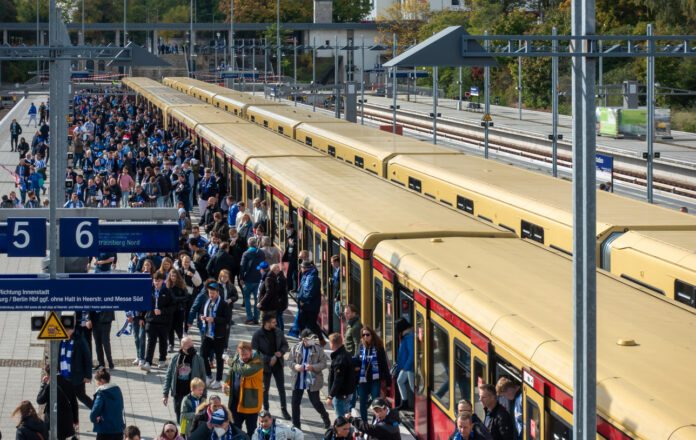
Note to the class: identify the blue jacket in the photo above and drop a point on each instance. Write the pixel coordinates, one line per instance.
(232, 215)
(251, 259)
(309, 292)
(108, 404)
(195, 311)
(405, 359)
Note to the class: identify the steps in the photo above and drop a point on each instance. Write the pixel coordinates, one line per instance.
(177, 67)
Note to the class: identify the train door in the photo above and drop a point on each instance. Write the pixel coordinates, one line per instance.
(314, 233)
(533, 406)
(345, 300)
(384, 313)
(335, 291)
(421, 379)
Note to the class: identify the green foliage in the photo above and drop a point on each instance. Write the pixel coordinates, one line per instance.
(8, 11)
(350, 11)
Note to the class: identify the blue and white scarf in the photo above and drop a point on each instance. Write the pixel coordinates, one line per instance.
(229, 435)
(212, 249)
(127, 328)
(363, 364)
(271, 433)
(302, 378)
(66, 349)
(205, 314)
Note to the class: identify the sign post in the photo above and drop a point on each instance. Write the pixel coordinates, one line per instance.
(605, 164)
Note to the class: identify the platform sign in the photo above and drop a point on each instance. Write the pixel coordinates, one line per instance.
(84, 237)
(98, 292)
(474, 91)
(79, 237)
(26, 237)
(53, 329)
(605, 168)
(227, 75)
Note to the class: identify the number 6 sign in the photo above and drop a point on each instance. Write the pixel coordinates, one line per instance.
(26, 237)
(79, 237)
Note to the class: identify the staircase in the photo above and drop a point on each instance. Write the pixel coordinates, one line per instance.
(177, 67)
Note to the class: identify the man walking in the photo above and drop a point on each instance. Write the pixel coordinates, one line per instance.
(76, 364)
(353, 329)
(250, 277)
(498, 420)
(246, 387)
(183, 368)
(32, 115)
(157, 321)
(100, 323)
(341, 377)
(270, 341)
(214, 319)
(15, 131)
(307, 360)
(309, 300)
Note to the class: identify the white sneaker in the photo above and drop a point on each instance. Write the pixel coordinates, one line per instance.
(162, 364)
(136, 362)
(208, 381)
(215, 385)
(141, 363)
(145, 367)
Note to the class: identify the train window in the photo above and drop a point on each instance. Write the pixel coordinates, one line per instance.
(479, 379)
(355, 282)
(420, 356)
(685, 293)
(557, 428)
(532, 231)
(388, 324)
(533, 422)
(439, 364)
(462, 372)
(359, 162)
(308, 140)
(309, 243)
(280, 129)
(465, 204)
(332, 151)
(318, 260)
(265, 123)
(250, 193)
(275, 219)
(406, 308)
(414, 184)
(344, 291)
(235, 112)
(237, 185)
(377, 312)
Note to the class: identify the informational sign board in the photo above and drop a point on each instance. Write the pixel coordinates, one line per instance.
(53, 329)
(26, 237)
(474, 91)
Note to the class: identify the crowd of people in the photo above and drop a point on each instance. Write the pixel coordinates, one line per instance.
(123, 157)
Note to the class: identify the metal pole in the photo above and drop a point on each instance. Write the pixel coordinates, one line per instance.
(294, 69)
(601, 76)
(83, 23)
(460, 88)
(125, 3)
(253, 66)
(519, 85)
(278, 41)
(337, 100)
(362, 81)
(265, 66)
(232, 37)
(584, 226)
(37, 38)
(554, 105)
(314, 74)
(435, 85)
(487, 99)
(394, 85)
(190, 38)
(650, 107)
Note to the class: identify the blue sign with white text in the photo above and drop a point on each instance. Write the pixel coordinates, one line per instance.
(134, 237)
(26, 237)
(474, 91)
(79, 237)
(65, 294)
(604, 163)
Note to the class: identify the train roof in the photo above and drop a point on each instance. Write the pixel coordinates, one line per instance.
(180, 83)
(140, 84)
(293, 116)
(193, 116)
(677, 247)
(243, 141)
(365, 208)
(520, 295)
(543, 195)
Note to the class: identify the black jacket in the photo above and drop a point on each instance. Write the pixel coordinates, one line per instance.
(102, 318)
(67, 407)
(81, 359)
(221, 260)
(387, 429)
(165, 304)
(273, 293)
(222, 318)
(207, 220)
(500, 424)
(260, 343)
(29, 427)
(341, 374)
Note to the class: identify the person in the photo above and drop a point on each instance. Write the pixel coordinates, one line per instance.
(32, 115)
(341, 378)
(307, 361)
(341, 429)
(335, 285)
(246, 386)
(309, 300)
(107, 412)
(498, 420)
(270, 429)
(185, 366)
(385, 425)
(215, 319)
(76, 364)
(273, 254)
(205, 410)
(478, 426)
(207, 219)
(273, 294)
(157, 321)
(102, 262)
(189, 404)
(465, 428)
(270, 341)
(220, 227)
(405, 363)
(132, 432)
(74, 202)
(177, 286)
(684, 209)
(353, 329)
(169, 432)
(510, 396)
(373, 368)
(249, 278)
(100, 323)
(290, 255)
(15, 131)
(207, 188)
(67, 404)
(217, 428)
(229, 294)
(29, 425)
(220, 261)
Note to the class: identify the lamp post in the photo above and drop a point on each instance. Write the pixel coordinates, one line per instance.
(125, 4)
(278, 41)
(216, 58)
(37, 37)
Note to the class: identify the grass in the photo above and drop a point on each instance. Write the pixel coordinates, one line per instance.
(684, 119)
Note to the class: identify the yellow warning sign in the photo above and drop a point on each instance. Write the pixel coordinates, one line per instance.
(487, 118)
(53, 329)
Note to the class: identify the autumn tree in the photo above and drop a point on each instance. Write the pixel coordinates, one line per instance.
(350, 11)
(404, 19)
(264, 11)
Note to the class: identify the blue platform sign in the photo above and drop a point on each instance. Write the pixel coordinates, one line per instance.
(134, 237)
(79, 237)
(604, 163)
(229, 75)
(474, 91)
(65, 294)
(26, 237)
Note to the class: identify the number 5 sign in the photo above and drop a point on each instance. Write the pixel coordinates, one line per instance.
(79, 237)
(26, 237)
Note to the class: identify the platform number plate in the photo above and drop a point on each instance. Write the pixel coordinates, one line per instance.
(79, 237)
(26, 237)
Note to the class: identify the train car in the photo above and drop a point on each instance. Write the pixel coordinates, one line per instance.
(483, 308)
(141, 86)
(186, 119)
(662, 261)
(362, 146)
(539, 208)
(341, 211)
(284, 119)
(182, 84)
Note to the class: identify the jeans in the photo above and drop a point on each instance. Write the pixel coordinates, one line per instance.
(77, 159)
(341, 406)
(365, 391)
(314, 399)
(277, 372)
(125, 195)
(102, 343)
(279, 318)
(216, 346)
(248, 292)
(406, 383)
(139, 337)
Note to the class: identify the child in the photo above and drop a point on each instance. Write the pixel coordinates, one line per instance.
(190, 403)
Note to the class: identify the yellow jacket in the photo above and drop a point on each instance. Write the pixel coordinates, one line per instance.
(251, 388)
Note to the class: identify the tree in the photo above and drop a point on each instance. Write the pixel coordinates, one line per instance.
(8, 11)
(264, 11)
(441, 20)
(350, 11)
(403, 19)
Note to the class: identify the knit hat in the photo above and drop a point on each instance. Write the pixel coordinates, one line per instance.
(181, 211)
(263, 265)
(306, 264)
(218, 417)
